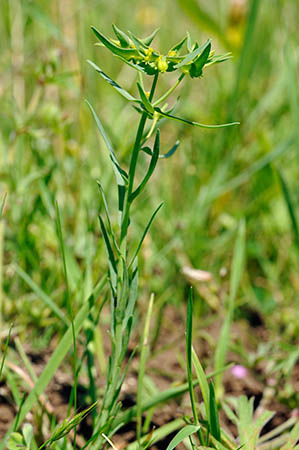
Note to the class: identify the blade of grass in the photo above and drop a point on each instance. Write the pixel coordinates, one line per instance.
(5, 350)
(58, 356)
(185, 432)
(143, 358)
(42, 295)
(235, 279)
(290, 207)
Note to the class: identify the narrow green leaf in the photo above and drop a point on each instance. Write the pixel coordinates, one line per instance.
(197, 66)
(151, 168)
(193, 55)
(143, 358)
(110, 255)
(145, 233)
(148, 40)
(213, 414)
(5, 350)
(2, 205)
(146, 103)
(171, 151)
(57, 357)
(293, 439)
(236, 273)
(202, 381)
(290, 207)
(112, 83)
(189, 353)
(120, 175)
(121, 36)
(42, 295)
(197, 124)
(177, 47)
(110, 229)
(185, 432)
(118, 51)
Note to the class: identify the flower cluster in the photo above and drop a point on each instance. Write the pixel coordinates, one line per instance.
(138, 53)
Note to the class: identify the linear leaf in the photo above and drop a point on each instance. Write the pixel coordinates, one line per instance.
(146, 103)
(112, 83)
(203, 383)
(151, 168)
(190, 122)
(42, 295)
(121, 36)
(188, 430)
(171, 151)
(110, 254)
(213, 413)
(57, 357)
(145, 233)
(2, 205)
(290, 206)
(189, 353)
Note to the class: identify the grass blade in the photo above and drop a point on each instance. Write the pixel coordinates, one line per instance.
(213, 414)
(203, 383)
(42, 295)
(143, 357)
(57, 356)
(290, 207)
(236, 273)
(5, 350)
(185, 432)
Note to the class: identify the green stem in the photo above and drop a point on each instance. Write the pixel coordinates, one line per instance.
(132, 170)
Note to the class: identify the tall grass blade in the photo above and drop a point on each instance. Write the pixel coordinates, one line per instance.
(189, 354)
(57, 356)
(203, 383)
(290, 207)
(213, 414)
(42, 295)
(143, 357)
(5, 350)
(2, 205)
(235, 279)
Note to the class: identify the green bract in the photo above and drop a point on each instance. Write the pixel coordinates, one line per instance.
(138, 53)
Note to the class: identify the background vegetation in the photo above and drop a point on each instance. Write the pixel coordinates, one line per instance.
(51, 152)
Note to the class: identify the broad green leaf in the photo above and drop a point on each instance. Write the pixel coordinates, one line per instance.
(112, 83)
(110, 229)
(151, 168)
(185, 432)
(197, 124)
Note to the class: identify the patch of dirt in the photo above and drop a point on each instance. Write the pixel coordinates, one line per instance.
(165, 368)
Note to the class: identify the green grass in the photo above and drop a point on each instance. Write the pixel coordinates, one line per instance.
(215, 182)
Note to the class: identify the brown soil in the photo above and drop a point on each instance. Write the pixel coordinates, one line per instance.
(165, 367)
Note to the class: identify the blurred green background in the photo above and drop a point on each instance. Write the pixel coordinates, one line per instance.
(51, 151)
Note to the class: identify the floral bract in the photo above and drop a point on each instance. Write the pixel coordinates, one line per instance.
(138, 53)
